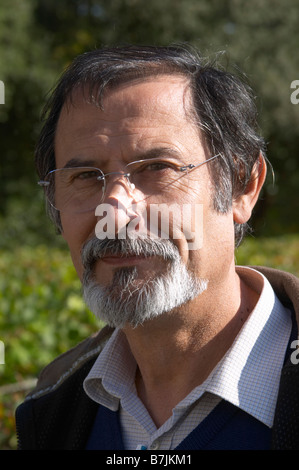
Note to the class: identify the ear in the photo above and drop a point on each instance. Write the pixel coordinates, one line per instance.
(244, 204)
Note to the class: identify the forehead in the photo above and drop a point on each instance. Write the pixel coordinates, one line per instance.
(138, 113)
(163, 93)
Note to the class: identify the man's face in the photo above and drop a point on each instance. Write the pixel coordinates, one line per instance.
(137, 118)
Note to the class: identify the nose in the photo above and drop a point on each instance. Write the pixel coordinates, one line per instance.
(118, 209)
(119, 175)
(118, 186)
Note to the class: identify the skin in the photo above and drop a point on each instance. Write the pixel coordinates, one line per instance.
(178, 350)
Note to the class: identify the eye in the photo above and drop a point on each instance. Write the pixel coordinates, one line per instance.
(158, 166)
(87, 174)
(84, 174)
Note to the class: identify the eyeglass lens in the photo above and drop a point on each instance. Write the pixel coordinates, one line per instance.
(82, 189)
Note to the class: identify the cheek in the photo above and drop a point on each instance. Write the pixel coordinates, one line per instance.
(190, 231)
(181, 222)
(218, 238)
(193, 229)
(212, 246)
(77, 229)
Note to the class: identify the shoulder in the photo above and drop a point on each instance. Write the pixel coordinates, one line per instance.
(285, 286)
(70, 362)
(58, 414)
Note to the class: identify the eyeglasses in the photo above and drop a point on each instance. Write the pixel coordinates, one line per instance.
(82, 189)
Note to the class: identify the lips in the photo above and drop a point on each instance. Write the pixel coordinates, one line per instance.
(126, 252)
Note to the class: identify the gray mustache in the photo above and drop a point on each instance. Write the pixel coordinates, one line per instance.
(95, 249)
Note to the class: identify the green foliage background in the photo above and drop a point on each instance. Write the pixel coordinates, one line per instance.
(43, 314)
(41, 310)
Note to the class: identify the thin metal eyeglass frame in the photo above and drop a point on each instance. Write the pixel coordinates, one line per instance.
(190, 167)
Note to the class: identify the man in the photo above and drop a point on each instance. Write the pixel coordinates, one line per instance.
(194, 347)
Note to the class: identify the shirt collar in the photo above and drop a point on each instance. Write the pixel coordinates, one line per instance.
(248, 376)
(113, 374)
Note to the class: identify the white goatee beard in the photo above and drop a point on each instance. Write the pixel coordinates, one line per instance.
(126, 301)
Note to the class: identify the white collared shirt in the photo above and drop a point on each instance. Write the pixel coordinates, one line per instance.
(247, 376)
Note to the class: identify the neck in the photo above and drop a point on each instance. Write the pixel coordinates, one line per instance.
(177, 351)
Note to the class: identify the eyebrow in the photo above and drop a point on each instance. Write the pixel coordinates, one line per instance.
(77, 162)
(151, 153)
(160, 152)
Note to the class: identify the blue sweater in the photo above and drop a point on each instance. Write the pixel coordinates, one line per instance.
(225, 428)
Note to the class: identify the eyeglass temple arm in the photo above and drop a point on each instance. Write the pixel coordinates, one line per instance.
(192, 167)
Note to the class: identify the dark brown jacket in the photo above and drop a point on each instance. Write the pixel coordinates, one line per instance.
(58, 414)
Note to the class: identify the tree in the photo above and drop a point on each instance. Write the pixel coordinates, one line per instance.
(38, 38)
